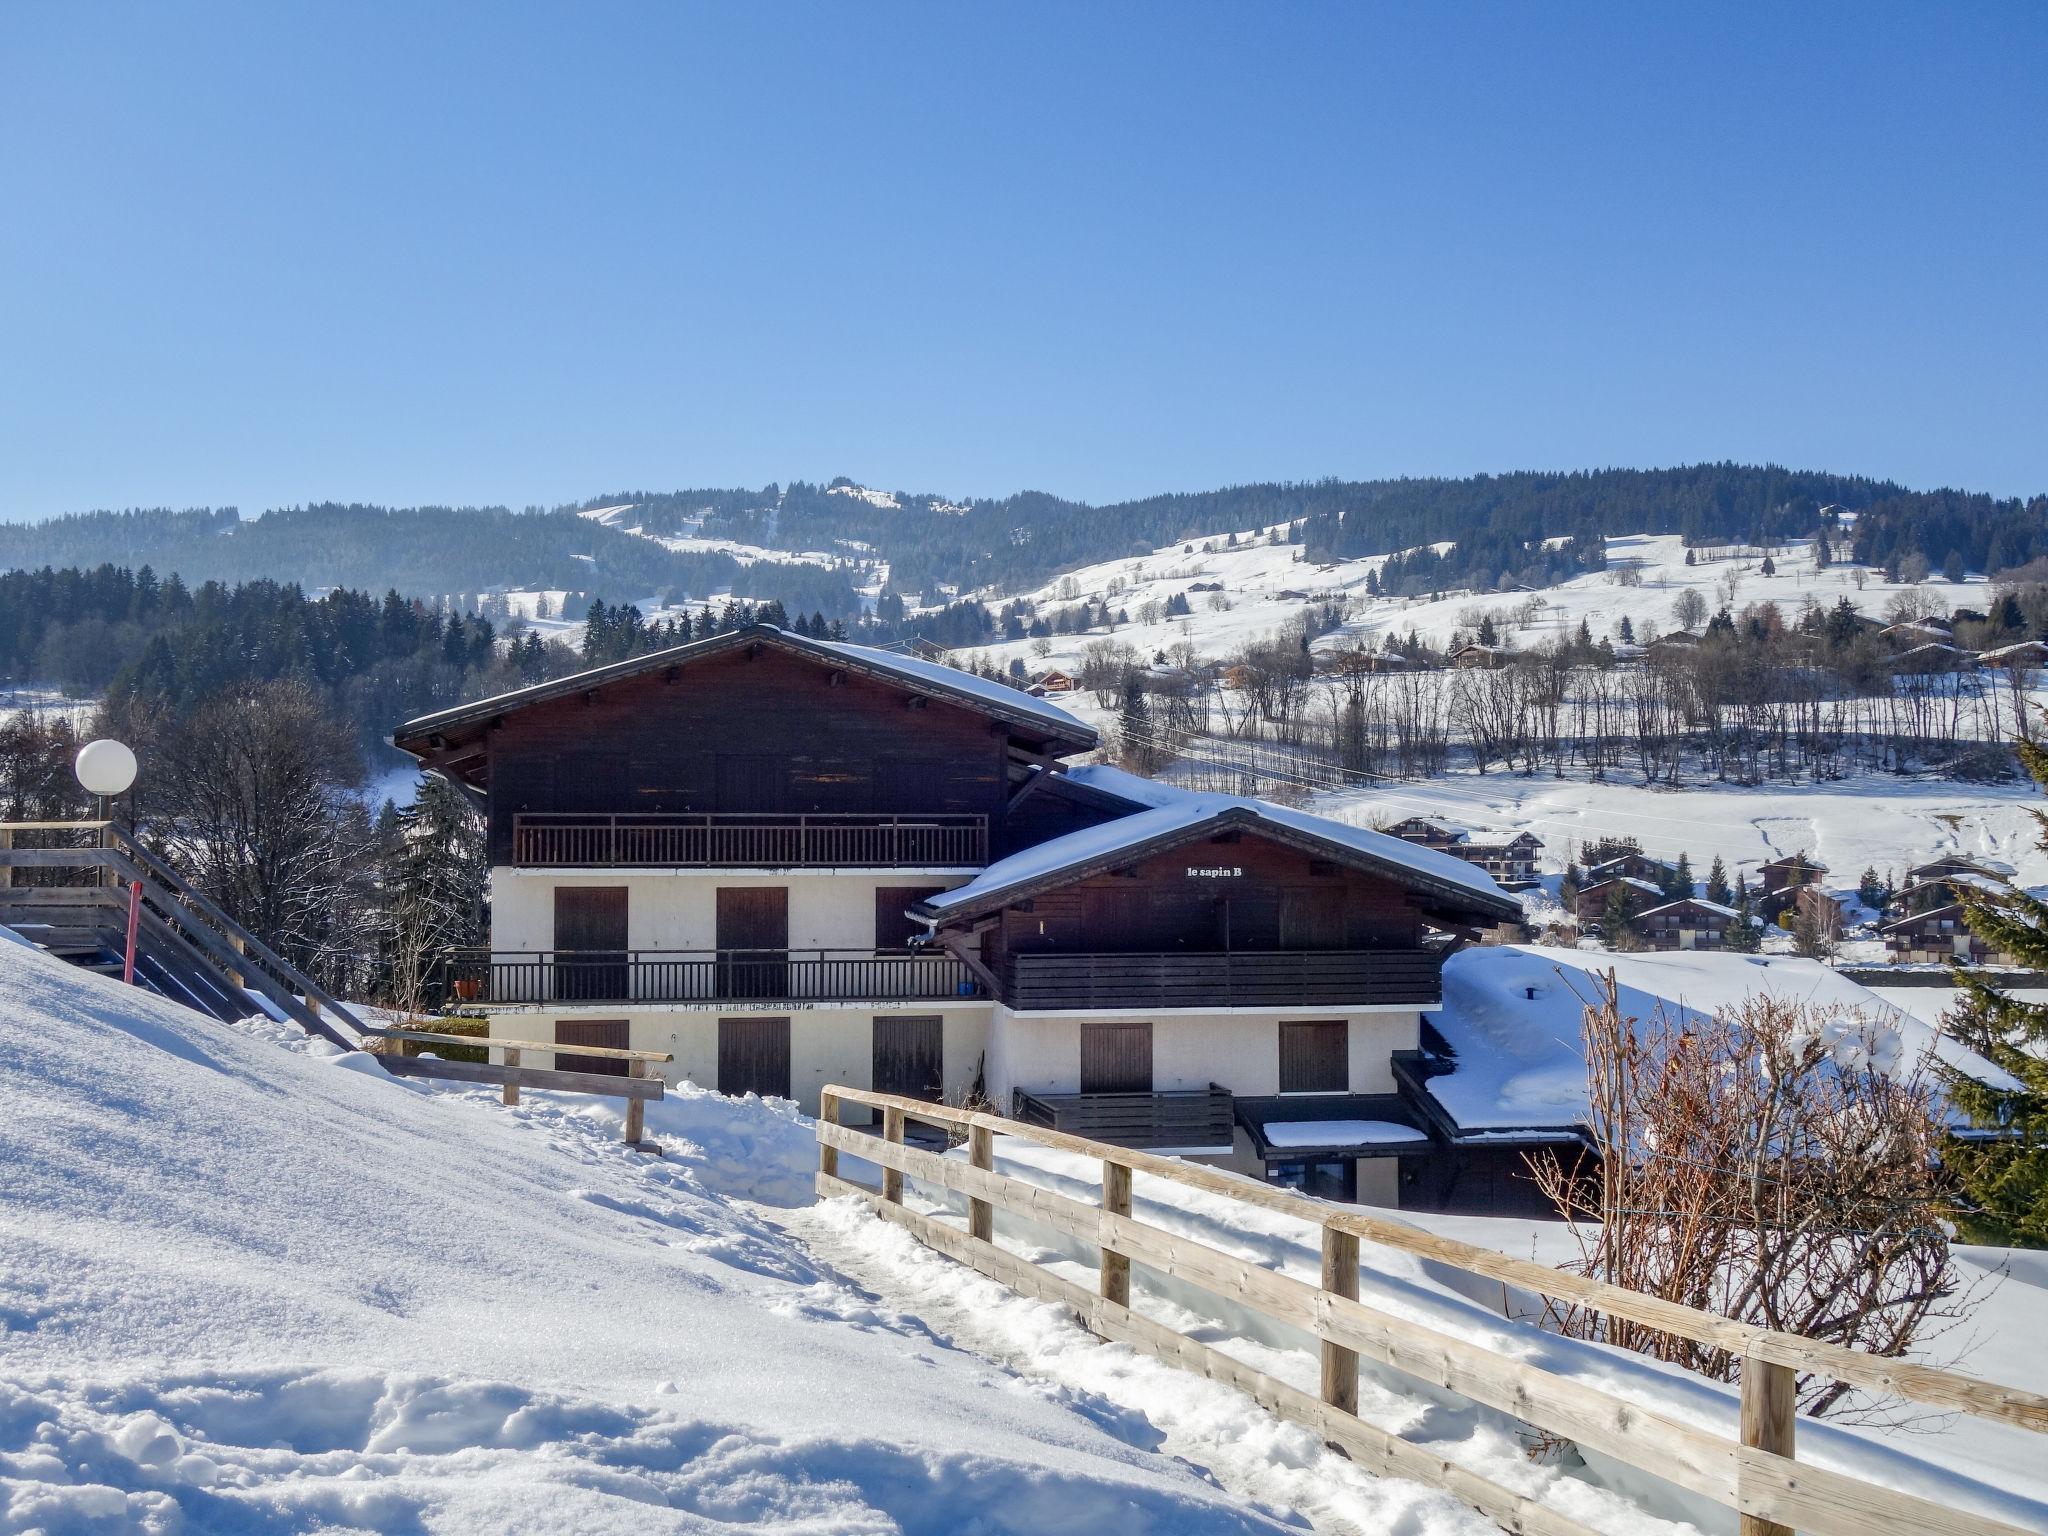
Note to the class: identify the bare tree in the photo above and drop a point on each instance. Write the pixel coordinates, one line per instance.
(1775, 1163)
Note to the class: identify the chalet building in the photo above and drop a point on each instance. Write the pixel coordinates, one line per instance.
(1511, 863)
(1818, 907)
(1939, 936)
(1782, 879)
(1678, 642)
(790, 862)
(1054, 681)
(2026, 656)
(1632, 865)
(1590, 905)
(1474, 654)
(1693, 923)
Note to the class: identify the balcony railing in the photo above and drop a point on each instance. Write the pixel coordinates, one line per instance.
(1202, 1117)
(701, 976)
(1238, 979)
(746, 840)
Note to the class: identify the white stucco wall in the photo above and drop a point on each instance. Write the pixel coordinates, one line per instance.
(826, 1045)
(827, 910)
(1041, 1053)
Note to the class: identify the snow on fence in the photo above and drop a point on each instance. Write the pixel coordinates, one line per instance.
(1758, 1476)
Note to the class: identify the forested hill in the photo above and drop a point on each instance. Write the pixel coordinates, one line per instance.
(417, 550)
(1527, 528)
(1498, 523)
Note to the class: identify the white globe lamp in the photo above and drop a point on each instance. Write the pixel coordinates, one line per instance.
(105, 768)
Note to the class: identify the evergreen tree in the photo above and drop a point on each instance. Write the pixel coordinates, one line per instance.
(435, 884)
(1627, 631)
(1743, 934)
(1134, 727)
(2005, 1179)
(1617, 921)
(1769, 567)
(1872, 891)
(1680, 885)
(1718, 890)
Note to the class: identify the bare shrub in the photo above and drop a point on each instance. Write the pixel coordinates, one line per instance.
(1776, 1164)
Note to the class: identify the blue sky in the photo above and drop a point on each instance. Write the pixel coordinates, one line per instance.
(263, 254)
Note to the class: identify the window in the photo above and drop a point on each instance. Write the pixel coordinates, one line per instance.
(1335, 1179)
(1315, 1057)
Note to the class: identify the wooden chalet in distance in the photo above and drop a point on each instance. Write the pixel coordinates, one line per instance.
(1693, 923)
(790, 862)
(1511, 862)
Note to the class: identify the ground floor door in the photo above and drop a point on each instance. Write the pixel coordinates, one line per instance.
(753, 1056)
(909, 1057)
(753, 941)
(612, 1034)
(1116, 1058)
(591, 962)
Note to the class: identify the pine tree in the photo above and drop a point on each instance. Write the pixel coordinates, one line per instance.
(434, 881)
(1769, 567)
(1743, 934)
(2005, 1180)
(1134, 727)
(1617, 922)
(1627, 631)
(1680, 886)
(1718, 890)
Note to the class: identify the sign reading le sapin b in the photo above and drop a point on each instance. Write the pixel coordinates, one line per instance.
(1214, 871)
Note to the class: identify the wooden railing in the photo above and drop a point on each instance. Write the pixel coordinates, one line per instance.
(1201, 1117)
(746, 840)
(1288, 978)
(636, 1086)
(686, 976)
(1756, 1474)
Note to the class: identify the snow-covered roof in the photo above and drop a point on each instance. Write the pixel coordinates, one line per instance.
(1990, 885)
(1340, 1133)
(1172, 813)
(1521, 1060)
(2026, 649)
(1599, 885)
(1694, 901)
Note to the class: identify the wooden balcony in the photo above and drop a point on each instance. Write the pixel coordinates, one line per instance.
(1203, 1117)
(746, 840)
(701, 976)
(1322, 978)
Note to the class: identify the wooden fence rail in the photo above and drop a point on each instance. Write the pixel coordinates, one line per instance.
(1757, 1475)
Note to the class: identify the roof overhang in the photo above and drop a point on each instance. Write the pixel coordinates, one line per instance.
(452, 742)
(1445, 899)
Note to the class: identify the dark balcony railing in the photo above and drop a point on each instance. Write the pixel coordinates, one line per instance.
(1293, 978)
(694, 976)
(1202, 1117)
(744, 840)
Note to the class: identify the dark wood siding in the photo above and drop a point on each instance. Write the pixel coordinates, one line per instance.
(893, 930)
(1116, 1058)
(754, 921)
(590, 942)
(611, 1034)
(753, 1056)
(645, 744)
(909, 1057)
(1272, 902)
(1315, 1056)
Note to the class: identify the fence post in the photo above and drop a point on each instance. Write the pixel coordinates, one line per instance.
(1340, 1278)
(828, 1114)
(1116, 1199)
(512, 1060)
(892, 1178)
(981, 1152)
(636, 1109)
(7, 842)
(1770, 1408)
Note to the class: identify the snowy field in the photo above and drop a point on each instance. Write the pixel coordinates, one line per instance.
(246, 1285)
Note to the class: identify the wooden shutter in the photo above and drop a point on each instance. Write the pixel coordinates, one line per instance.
(753, 941)
(909, 1057)
(1315, 1057)
(1116, 1058)
(612, 1034)
(590, 944)
(753, 1056)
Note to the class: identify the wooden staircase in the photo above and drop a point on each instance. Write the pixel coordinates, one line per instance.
(66, 886)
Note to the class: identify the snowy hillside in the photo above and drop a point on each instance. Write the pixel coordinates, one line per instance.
(1264, 585)
(247, 1288)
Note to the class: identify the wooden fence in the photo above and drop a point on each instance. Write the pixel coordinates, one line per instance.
(1758, 1475)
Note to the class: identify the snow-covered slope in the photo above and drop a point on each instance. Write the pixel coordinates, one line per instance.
(245, 1288)
(1263, 585)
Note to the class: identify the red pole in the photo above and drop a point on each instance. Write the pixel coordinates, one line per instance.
(134, 920)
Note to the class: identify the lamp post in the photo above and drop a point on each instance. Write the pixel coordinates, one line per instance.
(106, 769)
